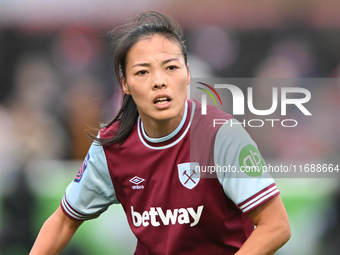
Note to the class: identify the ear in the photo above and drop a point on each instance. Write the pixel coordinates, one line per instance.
(125, 86)
(188, 73)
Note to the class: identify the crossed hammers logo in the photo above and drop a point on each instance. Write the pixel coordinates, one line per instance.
(189, 176)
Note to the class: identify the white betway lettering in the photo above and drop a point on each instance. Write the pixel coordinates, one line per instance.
(171, 216)
(194, 215)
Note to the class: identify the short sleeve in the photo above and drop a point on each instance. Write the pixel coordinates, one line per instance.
(244, 181)
(92, 191)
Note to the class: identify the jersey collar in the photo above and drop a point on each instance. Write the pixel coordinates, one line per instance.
(172, 139)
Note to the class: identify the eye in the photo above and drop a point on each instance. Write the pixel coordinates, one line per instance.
(142, 72)
(172, 68)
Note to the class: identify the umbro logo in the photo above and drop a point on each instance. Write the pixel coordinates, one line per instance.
(137, 180)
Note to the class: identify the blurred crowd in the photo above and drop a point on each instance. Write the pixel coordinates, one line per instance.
(57, 86)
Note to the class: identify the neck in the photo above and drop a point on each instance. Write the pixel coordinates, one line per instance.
(158, 130)
(161, 128)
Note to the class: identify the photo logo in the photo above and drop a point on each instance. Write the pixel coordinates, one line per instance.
(279, 98)
(204, 97)
(239, 99)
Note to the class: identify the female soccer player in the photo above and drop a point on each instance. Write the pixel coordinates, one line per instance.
(150, 160)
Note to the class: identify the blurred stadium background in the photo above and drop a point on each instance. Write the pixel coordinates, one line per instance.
(57, 83)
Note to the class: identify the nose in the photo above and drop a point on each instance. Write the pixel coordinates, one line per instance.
(159, 80)
(159, 85)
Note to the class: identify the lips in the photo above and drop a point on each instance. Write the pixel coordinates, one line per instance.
(162, 99)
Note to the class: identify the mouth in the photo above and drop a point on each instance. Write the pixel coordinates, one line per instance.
(162, 100)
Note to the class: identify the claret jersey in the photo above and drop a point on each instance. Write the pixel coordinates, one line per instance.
(177, 191)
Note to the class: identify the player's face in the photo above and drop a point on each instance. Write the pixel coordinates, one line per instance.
(157, 78)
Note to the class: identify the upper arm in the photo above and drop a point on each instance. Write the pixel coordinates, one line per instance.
(68, 222)
(92, 191)
(271, 213)
(272, 228)
(55, 234)
(234, 148)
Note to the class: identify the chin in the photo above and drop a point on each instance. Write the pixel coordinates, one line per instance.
(168, 114)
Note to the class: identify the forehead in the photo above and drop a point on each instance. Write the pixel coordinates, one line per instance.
(152, 48)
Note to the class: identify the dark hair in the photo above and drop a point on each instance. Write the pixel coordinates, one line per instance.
(123, 38)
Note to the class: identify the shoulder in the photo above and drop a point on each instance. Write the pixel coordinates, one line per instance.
(109, 131)
(210, 122)
(212, 112)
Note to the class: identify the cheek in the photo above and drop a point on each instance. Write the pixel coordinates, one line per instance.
(182, 92)
(138, 94)
(185, 82)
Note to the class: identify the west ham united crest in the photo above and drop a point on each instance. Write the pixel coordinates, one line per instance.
(189, 174)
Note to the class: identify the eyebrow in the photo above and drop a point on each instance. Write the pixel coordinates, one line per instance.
(163, 62)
